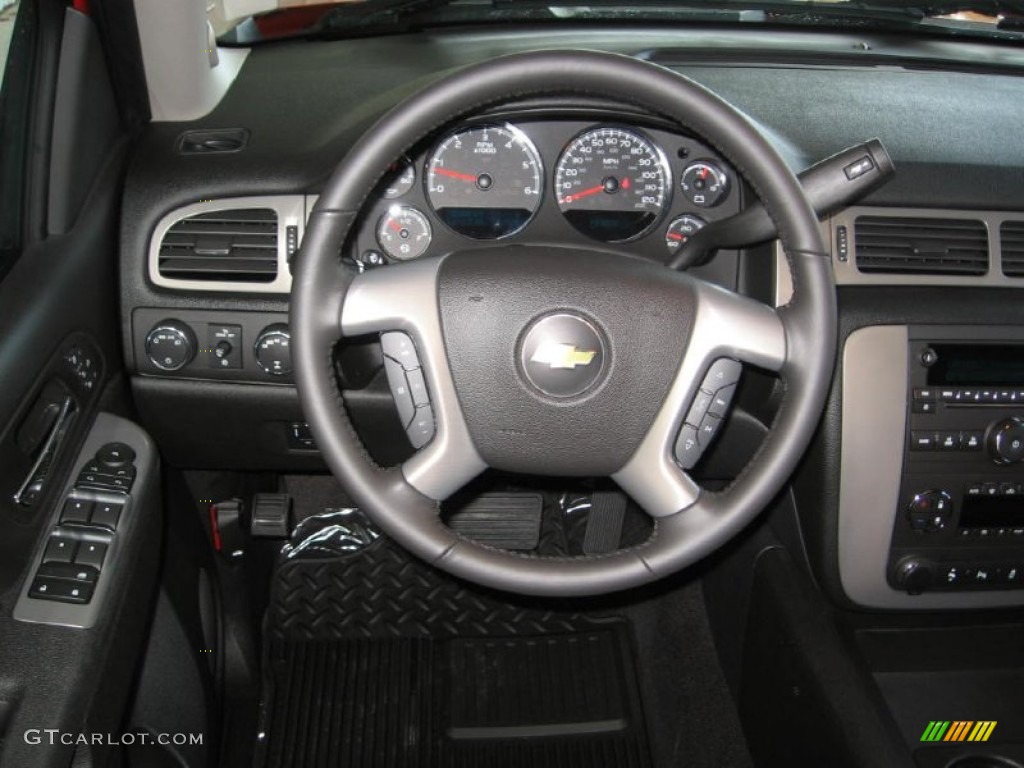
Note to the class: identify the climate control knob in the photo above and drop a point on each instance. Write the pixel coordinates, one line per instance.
(274, 350)
(914, 574)
(171, 345)
(1006, 441)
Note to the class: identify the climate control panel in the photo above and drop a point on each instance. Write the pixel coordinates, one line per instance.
(211, 344)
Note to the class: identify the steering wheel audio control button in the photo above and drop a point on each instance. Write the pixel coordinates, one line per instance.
(701, 403)
(721, 401)
(722, 373)
(688, 450)
(708, 429)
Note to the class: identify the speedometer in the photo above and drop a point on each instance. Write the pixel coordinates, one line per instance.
(485, 182)
(612, 184)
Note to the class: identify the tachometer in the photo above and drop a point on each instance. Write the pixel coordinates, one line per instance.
(612, 184)
(485, 182)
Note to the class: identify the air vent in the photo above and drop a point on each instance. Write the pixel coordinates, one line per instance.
(921, 246)
(1012, 235)
(230, 246)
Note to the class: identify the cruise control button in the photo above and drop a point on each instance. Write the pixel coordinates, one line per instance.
(400, 391)
(59, 550)
(91, 553)
(421, 431)
(399, 347)
(76, 511)
(44, 588)
(721, 401)
(687, 450)
(115, 455)
(708, 429)
(417, 387)
(107, 515)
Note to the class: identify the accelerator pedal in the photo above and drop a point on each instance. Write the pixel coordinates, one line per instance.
(604, 523)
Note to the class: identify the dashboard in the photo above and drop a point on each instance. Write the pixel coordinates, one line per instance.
(578, 172)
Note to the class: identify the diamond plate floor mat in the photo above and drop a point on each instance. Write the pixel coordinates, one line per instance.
(565, 700)
(376, 659)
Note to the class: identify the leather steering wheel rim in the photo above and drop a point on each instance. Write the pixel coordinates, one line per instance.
(322, 283)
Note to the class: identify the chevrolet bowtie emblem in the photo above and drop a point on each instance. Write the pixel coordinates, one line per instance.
(566, 356)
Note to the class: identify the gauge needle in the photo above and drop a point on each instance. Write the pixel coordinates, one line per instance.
(455, 174)
(675, 236)
(395, 225)
(584, 193)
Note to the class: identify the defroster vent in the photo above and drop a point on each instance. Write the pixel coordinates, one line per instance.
(231, 246)
(921, 246)
(1012, 236)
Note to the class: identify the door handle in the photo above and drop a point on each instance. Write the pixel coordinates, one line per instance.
(32, 487)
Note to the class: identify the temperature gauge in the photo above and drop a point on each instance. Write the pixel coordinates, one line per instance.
(681, 229)
(704, 184)
(403, 233)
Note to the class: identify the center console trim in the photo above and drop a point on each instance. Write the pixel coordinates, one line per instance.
(874, 417)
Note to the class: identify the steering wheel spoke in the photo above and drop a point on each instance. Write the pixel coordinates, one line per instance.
(728, 329)
(400, 303)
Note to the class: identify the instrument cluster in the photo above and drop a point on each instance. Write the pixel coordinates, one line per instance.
(564, 182)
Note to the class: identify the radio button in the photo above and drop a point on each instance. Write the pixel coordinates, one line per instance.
(924, 393)
(922, 441)
(1006, 396)
(949, 441)
(972, 440)
(948, 395)
(924, 406)
(966, 395)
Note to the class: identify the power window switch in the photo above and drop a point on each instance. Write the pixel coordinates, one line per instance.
(91, 553)
(60, 550)
(70, 571)
(61, 590)
(76, 511)
(107, 514)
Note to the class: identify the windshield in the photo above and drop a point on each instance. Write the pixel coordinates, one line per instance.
(244, 22)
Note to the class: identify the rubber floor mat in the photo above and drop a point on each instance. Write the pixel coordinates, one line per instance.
(527, 701)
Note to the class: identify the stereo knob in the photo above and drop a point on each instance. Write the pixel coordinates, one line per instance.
(914, 574)
(274, 350)
(1006, 441)
(171, 345)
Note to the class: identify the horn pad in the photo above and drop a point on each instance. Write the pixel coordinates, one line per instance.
(561, 357)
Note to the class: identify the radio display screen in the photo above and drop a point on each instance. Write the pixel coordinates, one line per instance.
(977, 365)
(992, 512)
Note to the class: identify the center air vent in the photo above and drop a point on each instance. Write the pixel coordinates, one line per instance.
(921, 246)
(1012, 235)
(227, 246)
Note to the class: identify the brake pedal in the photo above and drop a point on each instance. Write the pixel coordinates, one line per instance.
(502, 520)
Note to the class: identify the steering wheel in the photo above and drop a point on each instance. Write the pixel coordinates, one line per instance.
(471, 316)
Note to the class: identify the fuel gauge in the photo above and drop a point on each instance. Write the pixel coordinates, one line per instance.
(704, 184)
(404, 232)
